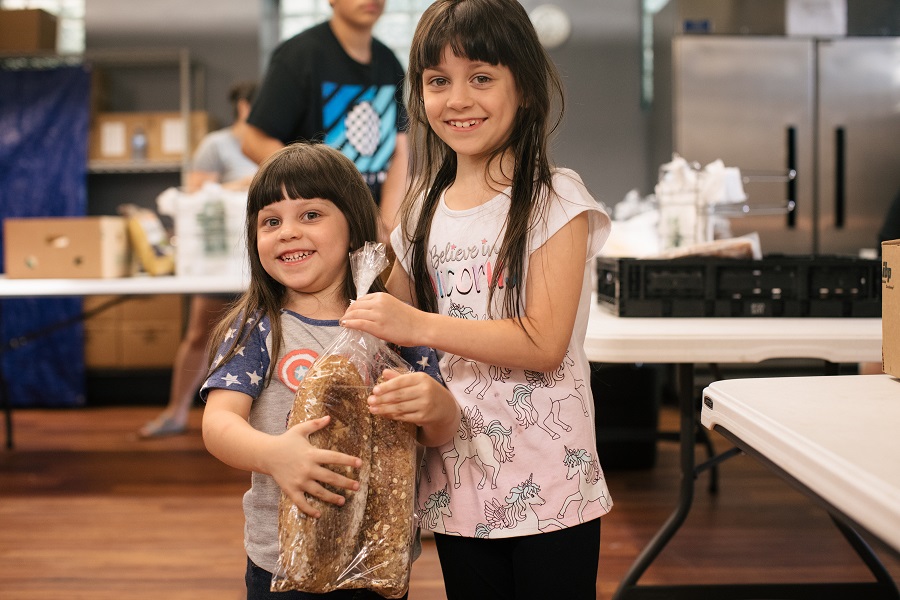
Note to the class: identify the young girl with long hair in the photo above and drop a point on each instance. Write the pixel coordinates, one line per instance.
(308, 207)
(494, 255)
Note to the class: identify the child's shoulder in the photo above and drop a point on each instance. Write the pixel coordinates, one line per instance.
(257, 321)
(570, 197)
(567, 180)
(569, 188)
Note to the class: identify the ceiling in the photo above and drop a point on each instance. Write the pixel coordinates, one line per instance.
(114, 17)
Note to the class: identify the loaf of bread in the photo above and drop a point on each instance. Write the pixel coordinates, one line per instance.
(387, 529)
(367, 543)
(317, 555)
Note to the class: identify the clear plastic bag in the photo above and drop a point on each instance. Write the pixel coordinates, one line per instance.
(367, 542)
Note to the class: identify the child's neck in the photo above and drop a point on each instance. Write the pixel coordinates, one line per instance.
(316, 306)
(477, 182)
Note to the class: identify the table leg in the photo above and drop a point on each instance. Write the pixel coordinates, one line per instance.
(34, 335)
(7, 410)
(685, 383)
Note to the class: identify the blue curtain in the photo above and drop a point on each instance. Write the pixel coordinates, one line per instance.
(44, 118)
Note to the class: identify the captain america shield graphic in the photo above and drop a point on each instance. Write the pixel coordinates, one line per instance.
(293, 367)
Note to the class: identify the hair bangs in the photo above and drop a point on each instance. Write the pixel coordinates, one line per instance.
(468, 35)
(297, 175)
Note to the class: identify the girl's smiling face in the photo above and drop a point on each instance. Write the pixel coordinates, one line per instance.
(303, 244)
(470, 105)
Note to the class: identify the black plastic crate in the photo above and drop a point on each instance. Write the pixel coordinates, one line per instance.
(774, 286)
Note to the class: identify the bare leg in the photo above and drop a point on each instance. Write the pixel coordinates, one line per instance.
(189, 369)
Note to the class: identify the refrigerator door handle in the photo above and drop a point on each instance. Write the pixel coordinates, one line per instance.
(840, 179)
(792, 181)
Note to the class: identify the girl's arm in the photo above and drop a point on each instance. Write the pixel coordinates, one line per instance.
(393, 188)
(297, 466)
(554, 282)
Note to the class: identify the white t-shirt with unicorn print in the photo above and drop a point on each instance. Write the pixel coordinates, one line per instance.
(524, 458)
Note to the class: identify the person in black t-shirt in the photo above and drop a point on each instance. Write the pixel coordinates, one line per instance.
(337, 84)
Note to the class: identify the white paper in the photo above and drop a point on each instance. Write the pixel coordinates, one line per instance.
(112, 139)
(172, 136)
(816, 17)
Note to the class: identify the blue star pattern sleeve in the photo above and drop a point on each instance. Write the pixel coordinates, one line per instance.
(422, 358)
(245, 372)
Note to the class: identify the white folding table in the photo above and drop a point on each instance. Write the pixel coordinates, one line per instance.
(122, 288)
(609, 339)
(833, 438)
(687, 341)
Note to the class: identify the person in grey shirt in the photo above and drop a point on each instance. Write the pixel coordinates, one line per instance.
(218, 159)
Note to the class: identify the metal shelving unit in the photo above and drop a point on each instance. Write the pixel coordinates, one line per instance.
(191, 83)
(191, 92)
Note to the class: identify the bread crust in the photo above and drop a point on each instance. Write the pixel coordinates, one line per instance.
(387, 528)
(367, 543)
(317, 553)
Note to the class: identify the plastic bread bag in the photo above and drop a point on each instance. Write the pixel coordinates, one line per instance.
(367, 542)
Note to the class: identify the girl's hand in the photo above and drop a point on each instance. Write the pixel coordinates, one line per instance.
(388, 318)
(417, 398)
(300, 468)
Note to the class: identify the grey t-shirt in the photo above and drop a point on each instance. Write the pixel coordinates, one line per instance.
(220, 152)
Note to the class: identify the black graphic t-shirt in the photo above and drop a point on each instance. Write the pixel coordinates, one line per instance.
(314, 90)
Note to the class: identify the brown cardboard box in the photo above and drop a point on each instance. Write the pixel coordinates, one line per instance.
(167, 134)
(65, 247)
(890, 308)
(30, 30)
(140, 333)
(112, 135)
(149, 344)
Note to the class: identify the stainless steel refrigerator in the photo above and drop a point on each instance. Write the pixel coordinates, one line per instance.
(826, 109)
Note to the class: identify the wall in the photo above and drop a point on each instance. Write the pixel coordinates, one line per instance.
(604, 129)
(602, 136)
(222, 37)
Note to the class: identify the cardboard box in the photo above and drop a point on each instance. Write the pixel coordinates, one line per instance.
(112, 135)
(890, 308)
(140, 333)
(149, 344)
(137, 308)
(30, 30)
(139, 345)
(65, 247)
(167, 141)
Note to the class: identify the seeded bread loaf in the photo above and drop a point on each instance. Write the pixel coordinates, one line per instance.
(388, 520)
(316, 554)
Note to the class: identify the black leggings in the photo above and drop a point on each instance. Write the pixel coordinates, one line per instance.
(557, 564)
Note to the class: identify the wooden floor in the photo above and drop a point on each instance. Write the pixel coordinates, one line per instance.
(89, 511)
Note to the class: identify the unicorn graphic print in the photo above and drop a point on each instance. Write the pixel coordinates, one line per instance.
(507, 472)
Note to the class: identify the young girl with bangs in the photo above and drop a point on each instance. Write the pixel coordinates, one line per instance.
(494, 250)
(308, 208)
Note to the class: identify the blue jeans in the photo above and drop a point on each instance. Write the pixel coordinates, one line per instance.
(258, 581)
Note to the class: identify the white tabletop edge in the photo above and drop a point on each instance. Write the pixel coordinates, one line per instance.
(140, 284)
(610, 338)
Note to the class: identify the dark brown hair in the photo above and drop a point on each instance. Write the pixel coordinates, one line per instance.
(497, 32)
(245, 90)
(301, 170)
